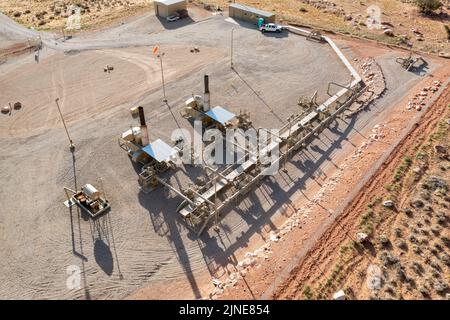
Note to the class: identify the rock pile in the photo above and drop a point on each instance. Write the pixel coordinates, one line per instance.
(373, 77)
(6, 109)
(326, 7)
(377, 135)
(251, 260)
(420, 100)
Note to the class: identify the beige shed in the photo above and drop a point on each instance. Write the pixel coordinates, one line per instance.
(166, 8)
(250, 14)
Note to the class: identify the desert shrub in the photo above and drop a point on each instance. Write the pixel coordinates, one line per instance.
(388, 259)
(307, 292)
(435, 265)
(435, 273)
(436, 229)
(424, 291)
(402, 245)
(413, 239)
(445, 258)
(428, 6)
(401, 274)
(440, 286)
(446, 241)
(390, 290)
(447, 30)
(416, 249)
(384, 240)
(417, 267)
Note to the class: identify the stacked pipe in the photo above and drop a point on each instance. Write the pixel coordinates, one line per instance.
(144, 130)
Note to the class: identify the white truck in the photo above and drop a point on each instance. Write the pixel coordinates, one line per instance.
(271, 27)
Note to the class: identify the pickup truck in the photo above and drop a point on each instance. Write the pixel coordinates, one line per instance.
(173, 18)
(271, 27)
(180, 14)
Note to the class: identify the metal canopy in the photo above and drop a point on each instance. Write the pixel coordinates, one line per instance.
(220, 115)
(169, 2)
(160, 151)
(252, 10)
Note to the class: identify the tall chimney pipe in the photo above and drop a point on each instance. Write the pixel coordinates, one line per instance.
(144, 131)
(206, 100)
(206, 83)
(141, 115)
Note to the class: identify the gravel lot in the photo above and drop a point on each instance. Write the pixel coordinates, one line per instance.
(142, 242)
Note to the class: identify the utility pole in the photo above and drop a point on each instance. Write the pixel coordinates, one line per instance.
(71, 145)
(216, 226)
(232, 47)
(160, 56)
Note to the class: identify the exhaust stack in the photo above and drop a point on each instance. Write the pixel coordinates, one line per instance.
(206, 99)
(144, 130)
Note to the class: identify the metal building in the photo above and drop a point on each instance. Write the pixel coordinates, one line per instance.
(166, 8)
(246, 13)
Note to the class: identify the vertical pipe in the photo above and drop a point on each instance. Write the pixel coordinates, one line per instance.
(141, 116)
(232, 48)
(144, 131)
(206, 102)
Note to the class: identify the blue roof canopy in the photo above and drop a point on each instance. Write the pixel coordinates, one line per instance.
(160, 151)
(220, 115)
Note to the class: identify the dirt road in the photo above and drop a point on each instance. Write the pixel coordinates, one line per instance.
(321, 256)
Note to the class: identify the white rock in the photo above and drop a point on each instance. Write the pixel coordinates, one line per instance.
(216, 282)
(274, 237)
(250, 255)
(246, 262)
(389, 32)
(417, 170)
(340, 295)
(218, 292)
(388, 203)
(361, 236)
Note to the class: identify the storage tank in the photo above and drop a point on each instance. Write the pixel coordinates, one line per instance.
(260, 22)
(90, 191)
